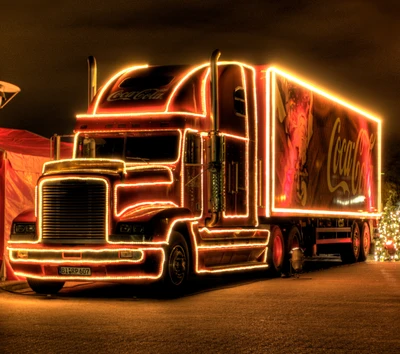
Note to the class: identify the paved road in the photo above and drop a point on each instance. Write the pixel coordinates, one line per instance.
(342, 309)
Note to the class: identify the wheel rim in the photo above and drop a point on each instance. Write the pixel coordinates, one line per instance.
(366, 243)
(356, 241)
(177, 265)
(277, 251)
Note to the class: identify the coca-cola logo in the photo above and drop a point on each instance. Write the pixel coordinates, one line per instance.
(349, 162)
(147, 94)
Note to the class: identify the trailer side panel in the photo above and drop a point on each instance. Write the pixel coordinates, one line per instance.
(324, 154)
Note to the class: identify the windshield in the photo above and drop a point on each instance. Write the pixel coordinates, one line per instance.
(153, 146)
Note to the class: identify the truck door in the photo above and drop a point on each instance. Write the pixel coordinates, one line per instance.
(235, 177)
(192, 172)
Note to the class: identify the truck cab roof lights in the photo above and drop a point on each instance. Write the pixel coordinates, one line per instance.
(111, 80)
(180, 83)
(175, 90)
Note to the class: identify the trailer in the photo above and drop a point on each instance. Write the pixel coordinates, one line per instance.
(180, 171)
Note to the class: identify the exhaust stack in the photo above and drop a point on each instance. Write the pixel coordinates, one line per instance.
(215, 141)
(92, 78)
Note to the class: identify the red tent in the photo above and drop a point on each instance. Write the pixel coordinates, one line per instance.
(22, 155)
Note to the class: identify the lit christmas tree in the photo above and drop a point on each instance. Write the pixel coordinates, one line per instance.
(387, 247)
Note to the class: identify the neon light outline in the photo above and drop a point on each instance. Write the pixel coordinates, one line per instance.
(133, 185)
(192, 222)
(246, 139)
(183, 169)
(255, 162)
(180, 83)
(268, 144)
(82, 160)
(69, 277)
(137, 114)
(59, 277)
(204, 90)
(174, 91)
(324, 93)
(149, 203)
(262, 264)
(76, 261)
(76, 138)
(112, 79)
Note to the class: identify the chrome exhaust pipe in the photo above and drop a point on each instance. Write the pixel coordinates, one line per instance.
(215, 140)
(92, 78)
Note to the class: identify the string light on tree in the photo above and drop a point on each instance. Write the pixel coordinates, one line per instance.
(387, 247)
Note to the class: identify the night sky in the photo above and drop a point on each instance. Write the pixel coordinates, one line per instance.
(350, 47)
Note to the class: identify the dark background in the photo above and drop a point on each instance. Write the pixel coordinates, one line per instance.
(350, 47)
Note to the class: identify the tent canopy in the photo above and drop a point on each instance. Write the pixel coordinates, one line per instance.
(22, 155)
(24, 142)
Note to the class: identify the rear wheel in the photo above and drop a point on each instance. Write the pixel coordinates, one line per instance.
(365, 242)
(45, 286)
(276, 251)
(293, 239)
(351, 252)
(176, 267)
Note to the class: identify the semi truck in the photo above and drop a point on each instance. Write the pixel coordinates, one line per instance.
(180, 171)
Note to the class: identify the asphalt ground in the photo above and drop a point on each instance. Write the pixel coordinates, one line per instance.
(329, 308)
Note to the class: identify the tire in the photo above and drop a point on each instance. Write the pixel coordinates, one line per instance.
(276, 251)
(351, 252)
(177, 265)
(365, 242)
(293, 240)
(45, 286)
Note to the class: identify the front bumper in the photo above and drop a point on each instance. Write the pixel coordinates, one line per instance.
(144, 262)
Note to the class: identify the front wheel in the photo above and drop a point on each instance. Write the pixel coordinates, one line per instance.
(45, 287)
(176, 266)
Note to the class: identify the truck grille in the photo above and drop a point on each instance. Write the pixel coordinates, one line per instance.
(74, 209)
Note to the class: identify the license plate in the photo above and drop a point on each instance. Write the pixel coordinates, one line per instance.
(74, 271)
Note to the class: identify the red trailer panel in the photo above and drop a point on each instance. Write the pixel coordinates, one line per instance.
(325, 153)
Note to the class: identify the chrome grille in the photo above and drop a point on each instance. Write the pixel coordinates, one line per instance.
(74, 209)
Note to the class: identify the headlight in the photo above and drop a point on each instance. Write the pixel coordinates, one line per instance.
(22, 254)
(130, 228)
(125, 228)
(24, 228)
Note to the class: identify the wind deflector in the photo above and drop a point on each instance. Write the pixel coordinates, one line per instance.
(146, 81)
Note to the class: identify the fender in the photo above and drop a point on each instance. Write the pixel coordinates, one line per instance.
(161, 220)
(26, 216)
